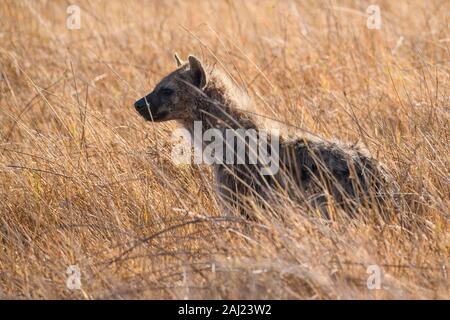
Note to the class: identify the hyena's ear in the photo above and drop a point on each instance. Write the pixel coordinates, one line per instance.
(197, 72)
(178, 60)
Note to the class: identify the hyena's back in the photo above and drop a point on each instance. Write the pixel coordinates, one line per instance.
(313, 172)
(346, 173)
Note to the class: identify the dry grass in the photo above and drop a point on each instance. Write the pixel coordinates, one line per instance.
(84, 181)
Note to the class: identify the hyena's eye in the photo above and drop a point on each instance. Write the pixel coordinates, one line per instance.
(166, 92)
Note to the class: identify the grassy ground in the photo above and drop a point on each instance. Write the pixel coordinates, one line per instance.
(85, 181)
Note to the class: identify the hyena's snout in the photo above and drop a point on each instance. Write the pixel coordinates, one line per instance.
(143, 107)
(141, 103)
(149, 108)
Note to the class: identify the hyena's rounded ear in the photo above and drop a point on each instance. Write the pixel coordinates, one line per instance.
(198, 73)
(178, 60)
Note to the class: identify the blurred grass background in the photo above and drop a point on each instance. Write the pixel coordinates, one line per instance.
(84, 181)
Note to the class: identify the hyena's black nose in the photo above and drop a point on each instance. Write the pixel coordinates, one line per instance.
(141, 103)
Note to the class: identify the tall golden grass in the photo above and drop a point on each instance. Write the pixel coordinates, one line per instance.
(85, 181)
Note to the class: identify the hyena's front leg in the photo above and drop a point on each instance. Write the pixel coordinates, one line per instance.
(231, 190)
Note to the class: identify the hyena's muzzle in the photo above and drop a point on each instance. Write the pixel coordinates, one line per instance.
(151, 108)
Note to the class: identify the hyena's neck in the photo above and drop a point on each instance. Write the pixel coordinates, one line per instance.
(222, 106)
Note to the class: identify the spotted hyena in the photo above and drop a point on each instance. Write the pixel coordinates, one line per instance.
(311, 171)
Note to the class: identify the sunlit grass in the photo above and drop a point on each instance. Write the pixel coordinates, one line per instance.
(85, 181)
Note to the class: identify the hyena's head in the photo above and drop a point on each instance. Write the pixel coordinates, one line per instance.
(175, 96)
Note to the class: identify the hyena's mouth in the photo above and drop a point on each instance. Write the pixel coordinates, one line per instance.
(159, 116)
